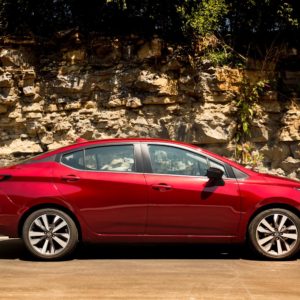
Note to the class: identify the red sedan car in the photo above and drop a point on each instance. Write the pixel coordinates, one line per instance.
(145, 190)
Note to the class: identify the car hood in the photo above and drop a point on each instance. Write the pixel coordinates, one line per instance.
(280, 180)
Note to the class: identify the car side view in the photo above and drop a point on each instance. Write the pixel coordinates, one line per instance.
(145, 190)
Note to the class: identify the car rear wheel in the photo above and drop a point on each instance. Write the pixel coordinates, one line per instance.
(50, 234)
(275, 234)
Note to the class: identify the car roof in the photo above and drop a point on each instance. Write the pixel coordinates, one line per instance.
(82, 143)
(117, 140)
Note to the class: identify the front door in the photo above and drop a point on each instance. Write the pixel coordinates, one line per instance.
(181, 200)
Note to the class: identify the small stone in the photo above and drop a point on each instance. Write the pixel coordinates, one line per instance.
(3, 109)
(150, 49)
(296, 150)
(275, 154)
(279, 172)
(33, 115)
(290, 164)
(51, 108)
(159, 100)
(29, 74)
(73, 106)
(205, 134)
(173, 108)
(259, 133)
(116, 102)
(290, 132)
(133, 102)
(74, 56)
(34, 107)
(20, 120)
(156, 83)
(53, 97)
(90, 105)
(6, 80)
(218, 97)
(29, 91)
(15, 114)
(47, 139)
(62, 126)
(61, 100)
(10, 58)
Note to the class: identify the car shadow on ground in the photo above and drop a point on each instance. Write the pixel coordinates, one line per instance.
(15, 249)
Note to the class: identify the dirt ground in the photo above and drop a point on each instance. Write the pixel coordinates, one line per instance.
(147, 272)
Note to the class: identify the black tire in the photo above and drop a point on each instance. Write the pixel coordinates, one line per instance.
(59, 241)
(279, 244)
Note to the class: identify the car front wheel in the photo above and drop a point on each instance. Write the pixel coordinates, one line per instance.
(50, 234)
(275, 234)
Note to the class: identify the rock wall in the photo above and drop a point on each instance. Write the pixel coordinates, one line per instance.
(53, 92)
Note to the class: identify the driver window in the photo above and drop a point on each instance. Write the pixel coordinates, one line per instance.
(110, 158)
(176, 161)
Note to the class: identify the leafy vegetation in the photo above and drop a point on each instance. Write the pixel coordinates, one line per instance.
(202, 17)
(234, 20)
(247, 154)
(249, 95)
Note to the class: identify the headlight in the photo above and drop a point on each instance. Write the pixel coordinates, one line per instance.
(298, 189)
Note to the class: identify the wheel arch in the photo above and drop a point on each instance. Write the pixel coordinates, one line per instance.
(49, 205)
(286, 206)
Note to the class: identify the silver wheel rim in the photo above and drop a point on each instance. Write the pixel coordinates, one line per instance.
(276, 234)
(49, 234)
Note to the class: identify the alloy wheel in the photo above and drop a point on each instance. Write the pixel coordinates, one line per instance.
(50, 234)
(277, 234)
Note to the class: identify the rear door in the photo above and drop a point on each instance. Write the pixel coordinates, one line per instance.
(106, 186)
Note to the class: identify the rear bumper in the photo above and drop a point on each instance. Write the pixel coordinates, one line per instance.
(8, 216)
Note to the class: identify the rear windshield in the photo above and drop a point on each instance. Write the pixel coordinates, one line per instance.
(37, 158)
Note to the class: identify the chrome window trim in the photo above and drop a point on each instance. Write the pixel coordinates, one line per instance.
(194, 176)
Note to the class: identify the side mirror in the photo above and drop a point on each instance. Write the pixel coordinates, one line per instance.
(214, 174)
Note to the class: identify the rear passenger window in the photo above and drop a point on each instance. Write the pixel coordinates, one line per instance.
(104, 158)
(74, 160)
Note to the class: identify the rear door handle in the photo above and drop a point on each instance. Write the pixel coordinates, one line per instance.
(162, 187)
(70, 178)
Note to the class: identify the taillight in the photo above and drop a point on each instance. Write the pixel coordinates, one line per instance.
(4, 177)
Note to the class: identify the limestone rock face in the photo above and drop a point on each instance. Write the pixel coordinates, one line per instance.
(291, 122)
(290, 164)
(296, 150)
(156, 83)
(21, 146)
(276, 154)
(150, 49)
(133, 87)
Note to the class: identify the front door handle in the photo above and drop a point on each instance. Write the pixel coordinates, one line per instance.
(162, 187)
(70, 178)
